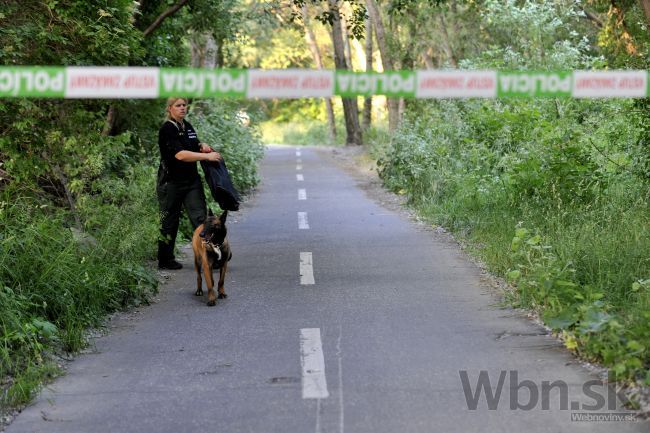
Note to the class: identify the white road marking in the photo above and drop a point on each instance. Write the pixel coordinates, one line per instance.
(302, 194)
(300, 177)
(303, 223)
(339, 355)
(314, 383)
(298, 153)
(306, 269)
(298, 167)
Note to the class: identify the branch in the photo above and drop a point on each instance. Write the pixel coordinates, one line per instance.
(593, 17)
(170, 11)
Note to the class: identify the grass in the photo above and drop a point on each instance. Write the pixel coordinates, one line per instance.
(55, 284)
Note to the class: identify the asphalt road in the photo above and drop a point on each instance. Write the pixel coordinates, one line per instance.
(342, 316)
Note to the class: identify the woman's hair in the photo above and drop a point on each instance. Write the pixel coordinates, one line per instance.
(170, 102)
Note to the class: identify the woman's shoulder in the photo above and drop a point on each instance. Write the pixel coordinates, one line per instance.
(167, 124)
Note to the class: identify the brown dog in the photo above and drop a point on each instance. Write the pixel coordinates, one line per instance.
(211, 250)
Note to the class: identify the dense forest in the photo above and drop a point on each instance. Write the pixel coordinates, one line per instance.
(552, 194)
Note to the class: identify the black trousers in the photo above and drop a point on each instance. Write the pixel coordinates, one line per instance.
(172, 196)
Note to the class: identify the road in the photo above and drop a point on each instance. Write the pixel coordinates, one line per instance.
(342, 316)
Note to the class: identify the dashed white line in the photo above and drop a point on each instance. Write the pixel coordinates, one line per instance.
(306, 269)
(298, 153)
(302, 194)
(300, 177)
(339, 355)
(299, 167)
(303, 223)
(314, 383)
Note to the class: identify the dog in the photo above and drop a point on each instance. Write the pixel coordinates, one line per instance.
(211, 251)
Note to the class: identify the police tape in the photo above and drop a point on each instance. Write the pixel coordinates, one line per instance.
(149, 83)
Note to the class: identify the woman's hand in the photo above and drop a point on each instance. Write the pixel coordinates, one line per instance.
(204, 148)
(214, 156)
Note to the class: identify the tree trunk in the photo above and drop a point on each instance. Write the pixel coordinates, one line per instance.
(315, 52)
(346, 43)
(197, 53)
(211, 52)
(628, 41)
(447, 43)
(60, 176)
(350, 107)
(645, 5)
(109, 124)
(367, 102)
(427, 57)
(459, 52)
(386, 60)
(203, 50)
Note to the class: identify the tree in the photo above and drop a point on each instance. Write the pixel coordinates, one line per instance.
(350, 108)
(367, 102)
(313, 47)
(645, 6)
(386, 59)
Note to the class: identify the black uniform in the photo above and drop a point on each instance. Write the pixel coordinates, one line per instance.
(178, 184)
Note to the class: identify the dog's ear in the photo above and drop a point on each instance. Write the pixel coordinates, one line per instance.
(223, 217)
(210, 212)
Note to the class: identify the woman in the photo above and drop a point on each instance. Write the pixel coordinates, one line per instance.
(179, 183)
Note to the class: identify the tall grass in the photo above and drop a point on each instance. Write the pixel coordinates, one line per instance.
(56, 282)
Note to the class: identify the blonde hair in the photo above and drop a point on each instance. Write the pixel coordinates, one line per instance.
(170, 102)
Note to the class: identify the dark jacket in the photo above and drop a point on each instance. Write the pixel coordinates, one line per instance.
(221, 188)
(174, 137)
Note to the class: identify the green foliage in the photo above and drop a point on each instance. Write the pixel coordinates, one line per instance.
(589, 322)
(304, 132)
(534, 34)
(283, 53)
(57, 281)
(567, 168)
(219, 124)
(78, 213)
(67, 32)
(571, 175)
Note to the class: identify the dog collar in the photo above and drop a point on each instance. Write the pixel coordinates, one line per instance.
(215, 248)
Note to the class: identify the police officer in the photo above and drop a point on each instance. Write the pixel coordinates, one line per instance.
(179, 183)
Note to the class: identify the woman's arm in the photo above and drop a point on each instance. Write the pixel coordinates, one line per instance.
(188, 156)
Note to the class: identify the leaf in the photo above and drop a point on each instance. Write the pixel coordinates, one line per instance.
(561, 321)
(635, 346)
(45, 328)
(534, 240)
(516, 243)
(521, 232)
(513, 275)
(570, 342)
(594, 321)
(619, 369)
(563, 283)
